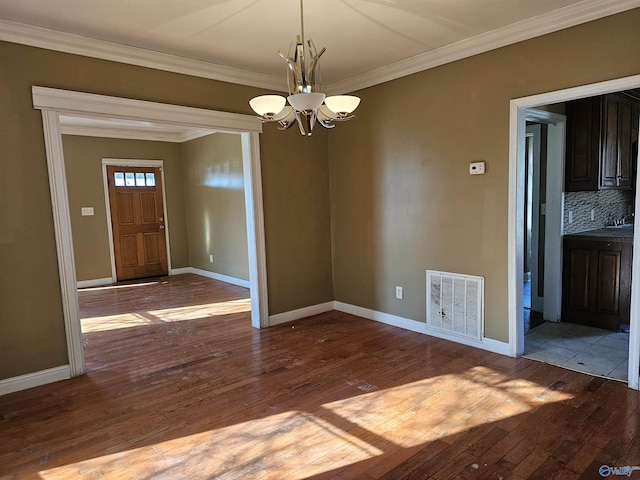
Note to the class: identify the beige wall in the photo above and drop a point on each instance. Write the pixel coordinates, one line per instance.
(214, 204)
(83, 163)
(32, 332)
(401, 195)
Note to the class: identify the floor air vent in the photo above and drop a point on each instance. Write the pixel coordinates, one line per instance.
(455, 304)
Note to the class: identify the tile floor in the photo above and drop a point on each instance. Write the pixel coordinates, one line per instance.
(577, 347)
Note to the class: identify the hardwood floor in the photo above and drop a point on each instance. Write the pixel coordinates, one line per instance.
(185, 388)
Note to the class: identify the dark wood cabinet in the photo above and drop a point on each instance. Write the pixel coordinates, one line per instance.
(602, 142)
(596, 288)
(620, 122)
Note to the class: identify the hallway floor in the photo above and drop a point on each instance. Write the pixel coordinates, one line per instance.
(580, 348)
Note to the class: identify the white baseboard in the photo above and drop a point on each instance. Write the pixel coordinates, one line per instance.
(216, 276)
(180, 271)
(35, 379)
(488, 344)
(496, 346)
(96, 282)
(381, 317)
(300, 313)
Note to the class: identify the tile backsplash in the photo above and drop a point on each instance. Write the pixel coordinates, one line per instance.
(608, 205)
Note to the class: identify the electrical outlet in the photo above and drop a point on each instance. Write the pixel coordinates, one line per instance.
(399, 293)
(570, 216)
(210, 258)
(593, 214)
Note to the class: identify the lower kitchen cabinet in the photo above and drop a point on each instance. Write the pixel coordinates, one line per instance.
(596, 287)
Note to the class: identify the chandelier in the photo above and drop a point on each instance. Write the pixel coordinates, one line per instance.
(306, 104)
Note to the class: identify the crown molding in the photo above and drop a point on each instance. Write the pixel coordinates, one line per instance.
(566, 17)
(132, 133)
(553, 21)
(46, 38)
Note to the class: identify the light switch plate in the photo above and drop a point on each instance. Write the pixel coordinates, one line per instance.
(476, 168)
(87, 211)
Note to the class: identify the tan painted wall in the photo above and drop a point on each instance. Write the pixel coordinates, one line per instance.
(83, 163)
(402, 198)
(214, 204)
(32, 332)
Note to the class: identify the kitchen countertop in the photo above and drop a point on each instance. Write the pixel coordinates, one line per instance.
(618, 234)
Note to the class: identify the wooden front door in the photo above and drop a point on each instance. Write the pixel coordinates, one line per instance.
(137, 219)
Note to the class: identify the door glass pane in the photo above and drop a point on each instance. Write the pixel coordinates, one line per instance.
(129, 179)
(118, 177)
(151, 179)
(139, 179)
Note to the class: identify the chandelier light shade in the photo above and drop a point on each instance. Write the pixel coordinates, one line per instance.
(267, 105)
(343, 105)
(306, 103)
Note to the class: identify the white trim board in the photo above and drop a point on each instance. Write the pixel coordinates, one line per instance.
(53, 103)
(555, 20)
(35, 379)
(213, 275)
(488, 344)
(96, 282)
(305, 312)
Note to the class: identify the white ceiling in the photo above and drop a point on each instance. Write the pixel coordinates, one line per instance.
(362, 36)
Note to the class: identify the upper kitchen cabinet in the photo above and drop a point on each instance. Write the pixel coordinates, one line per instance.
(602, 142)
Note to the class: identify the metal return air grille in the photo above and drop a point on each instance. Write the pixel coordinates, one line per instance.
(455, 304)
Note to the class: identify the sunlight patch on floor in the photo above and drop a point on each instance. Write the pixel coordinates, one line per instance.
(430, 412)
(300, 444)
(177, 314)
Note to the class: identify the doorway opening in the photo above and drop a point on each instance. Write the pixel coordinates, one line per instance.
(520, 110)
(54, 103)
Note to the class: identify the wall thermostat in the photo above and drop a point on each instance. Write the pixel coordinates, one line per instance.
(476, 168)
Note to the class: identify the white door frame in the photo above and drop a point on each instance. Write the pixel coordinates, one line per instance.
(53, 103)
(131, 162)
(517, 127)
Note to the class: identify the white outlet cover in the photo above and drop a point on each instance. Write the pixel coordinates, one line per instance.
(87, 211)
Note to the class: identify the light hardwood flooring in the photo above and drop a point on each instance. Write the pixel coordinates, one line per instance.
(185, 388)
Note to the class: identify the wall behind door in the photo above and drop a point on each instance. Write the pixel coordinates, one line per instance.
(83, 163)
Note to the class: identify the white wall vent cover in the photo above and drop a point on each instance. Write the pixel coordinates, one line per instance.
(455, 304)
